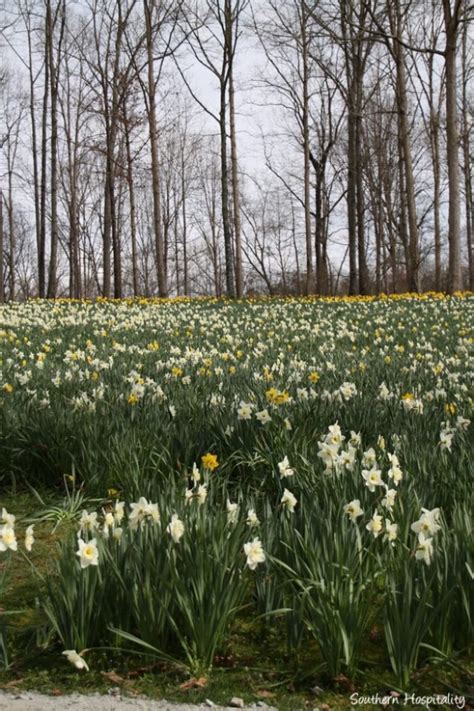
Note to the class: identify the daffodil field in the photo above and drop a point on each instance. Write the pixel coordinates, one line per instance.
(307, 463)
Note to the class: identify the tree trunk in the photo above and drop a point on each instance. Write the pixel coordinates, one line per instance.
(2, 272)
(155, 166)
(229, 260)
(436, 199)
(54, 79)
(452, 146)
(131, 197)
(469, 206)
(12, 241)
(34, 142)
(405, 142)
(306, 154)
(44, 156)
(185, 229)
(239, 278)
(351, 202)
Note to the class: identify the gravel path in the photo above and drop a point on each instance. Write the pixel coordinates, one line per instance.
(30, 701)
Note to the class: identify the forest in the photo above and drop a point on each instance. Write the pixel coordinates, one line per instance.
(235, 147)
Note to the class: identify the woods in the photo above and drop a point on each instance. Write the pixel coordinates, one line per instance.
(233, 147)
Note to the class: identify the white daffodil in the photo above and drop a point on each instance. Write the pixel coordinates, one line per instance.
(88, 553)
(263, 416)
(175, 528)
(195, 473)
(355, 439)
(289, 500)
(373, 478)
(252, 518)
(7, 538)
(7, 518)
(88, 522)
(201, 494)
(152, 511)
(109, 520)
(391, 530)
(369, 458)
(462, 423)
(244, 411)
(232, 511)
(375, 525)
(353, 509)
(389, 499)
(255, 553)
(424, 550)
(347, 458)
(29, 538)
(446, 439)
(138, 512)
(328, 453)
(334, 436)
(427, 524)
(395, 474)
(119, 511)
(284, 468)
(75, 659)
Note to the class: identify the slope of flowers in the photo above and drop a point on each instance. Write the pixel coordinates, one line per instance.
(312, 456)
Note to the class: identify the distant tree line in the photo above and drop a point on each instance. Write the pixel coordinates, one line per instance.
(121, 163)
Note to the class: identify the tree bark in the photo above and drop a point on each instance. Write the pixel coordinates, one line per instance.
(239, 278)
(155, 166)
(2, 271)
(306, 152)
(451, 21)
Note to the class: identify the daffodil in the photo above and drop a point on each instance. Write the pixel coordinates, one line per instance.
(7, 538)
(88, 553)
(263, 417)
(289, 500)
(427, 524)
(252, 518)
(232, 511)
(88, 522)
(375, 525)
(29, 538)
(353, 509)
(195, 473)
(7, 518)
(119, 511)
(389, 499)
(210, 461)
(391, 530)
(201, 494)
(255, 553)
(244, 411)
(75, 659)
(424, 549)
(373, 478)
(284, 468)
(175, 528)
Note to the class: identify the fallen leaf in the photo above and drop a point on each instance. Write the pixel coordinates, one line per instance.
(194, 683)
(11, 684)
(112, 677)
(344, 683)
(264, 694)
